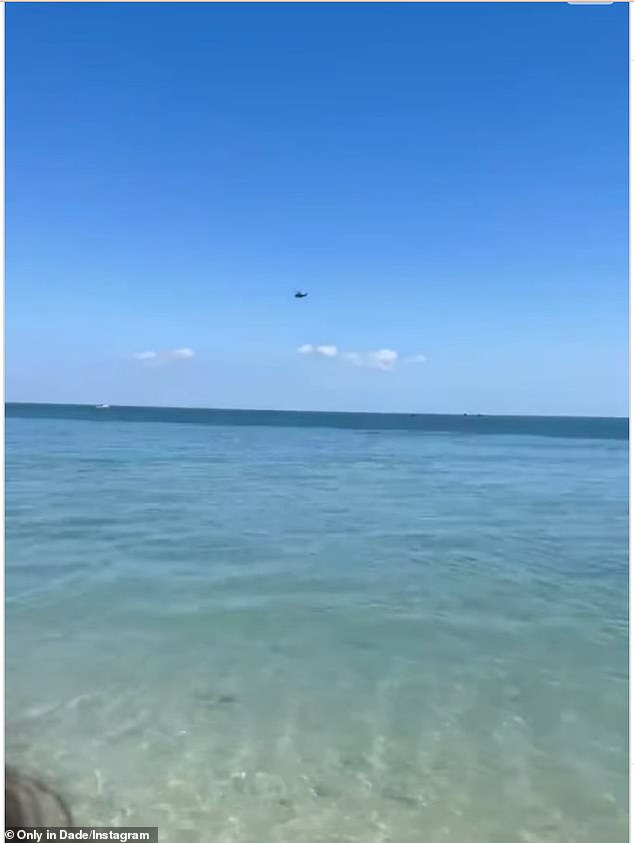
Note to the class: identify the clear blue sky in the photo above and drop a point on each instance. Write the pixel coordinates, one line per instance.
(447, 181)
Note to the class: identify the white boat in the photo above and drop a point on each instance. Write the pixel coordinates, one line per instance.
(102, 406)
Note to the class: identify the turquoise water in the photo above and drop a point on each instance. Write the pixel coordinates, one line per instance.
(271, 629)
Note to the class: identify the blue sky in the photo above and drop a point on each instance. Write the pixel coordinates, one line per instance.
(447, 181)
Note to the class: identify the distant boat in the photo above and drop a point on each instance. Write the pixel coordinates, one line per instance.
(102, 406)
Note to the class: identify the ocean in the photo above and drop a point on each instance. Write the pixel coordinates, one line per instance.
(249, 627)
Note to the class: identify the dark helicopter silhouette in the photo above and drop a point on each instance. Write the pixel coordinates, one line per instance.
(299, 295)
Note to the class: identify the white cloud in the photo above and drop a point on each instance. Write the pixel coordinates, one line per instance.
(384, 359)
(321, 350)
(327, 350)
(164, 356)
(182, 354)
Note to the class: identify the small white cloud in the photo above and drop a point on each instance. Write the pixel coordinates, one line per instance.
(321, 350)
(327, 350)
(162, 357)
(384, 359)
(182, 354)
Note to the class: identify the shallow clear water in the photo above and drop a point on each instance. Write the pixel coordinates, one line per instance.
(263, 633)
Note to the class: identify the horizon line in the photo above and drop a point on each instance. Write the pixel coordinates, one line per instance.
(315, 412)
